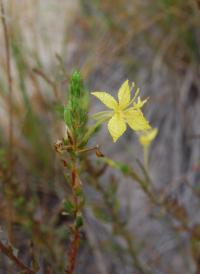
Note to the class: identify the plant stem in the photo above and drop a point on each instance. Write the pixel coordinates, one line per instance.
(9, 253)
(10, 88)
(10, 104)
(146, 158)
(75, 242)
(72, 255)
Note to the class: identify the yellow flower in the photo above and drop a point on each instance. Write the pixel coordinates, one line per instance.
(147, 137)
(121, 112)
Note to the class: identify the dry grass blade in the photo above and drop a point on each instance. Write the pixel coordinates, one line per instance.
(10, 88)
(10, 104)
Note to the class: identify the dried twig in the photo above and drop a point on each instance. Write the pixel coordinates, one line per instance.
(10, 105)
(9, 253)
(10, 88)
(47, 80)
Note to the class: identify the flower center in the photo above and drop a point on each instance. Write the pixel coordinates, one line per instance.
(118, 111)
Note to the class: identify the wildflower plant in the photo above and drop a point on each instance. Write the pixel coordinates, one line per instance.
(125, 111)
(43, 225)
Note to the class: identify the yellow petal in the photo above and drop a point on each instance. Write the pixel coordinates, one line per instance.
(124, 95)
(116, 126)
(106, 99)
(136, 120)
(147, 137)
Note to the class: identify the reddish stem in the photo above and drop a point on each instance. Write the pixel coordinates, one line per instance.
(9, 253)
(74, 245)
(72, 255)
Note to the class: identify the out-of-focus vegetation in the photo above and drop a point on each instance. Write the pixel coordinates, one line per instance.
(133, 221)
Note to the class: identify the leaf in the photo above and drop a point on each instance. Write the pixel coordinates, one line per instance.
(79, 221)
(67, 116)
(69, 207)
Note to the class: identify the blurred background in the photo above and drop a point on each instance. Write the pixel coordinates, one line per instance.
(156, 44)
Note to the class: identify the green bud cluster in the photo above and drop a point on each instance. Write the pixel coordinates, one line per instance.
(75, 112)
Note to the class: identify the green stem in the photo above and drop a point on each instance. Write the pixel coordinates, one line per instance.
(146, 158)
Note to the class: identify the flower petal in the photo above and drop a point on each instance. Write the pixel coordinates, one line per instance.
(136, 119)
(106, 99)
(124, 95)
(116, 126)
(147, 137)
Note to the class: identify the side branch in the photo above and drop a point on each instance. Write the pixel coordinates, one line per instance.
(9, 253)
